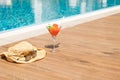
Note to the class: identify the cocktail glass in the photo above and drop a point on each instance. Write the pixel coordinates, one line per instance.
(54, 29)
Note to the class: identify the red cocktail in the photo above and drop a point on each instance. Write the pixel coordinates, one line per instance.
(54, 30)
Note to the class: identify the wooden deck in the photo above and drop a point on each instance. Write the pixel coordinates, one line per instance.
(89, 51)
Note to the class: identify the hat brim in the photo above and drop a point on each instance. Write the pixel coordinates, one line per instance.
(40, 54)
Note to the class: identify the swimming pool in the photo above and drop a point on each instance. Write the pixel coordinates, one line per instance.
(26, 16)
(19, 13)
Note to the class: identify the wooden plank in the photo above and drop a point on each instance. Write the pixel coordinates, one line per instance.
(89, 51)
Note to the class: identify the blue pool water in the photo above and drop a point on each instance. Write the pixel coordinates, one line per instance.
(20, 13)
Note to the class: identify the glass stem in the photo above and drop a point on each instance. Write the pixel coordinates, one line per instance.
(54, 43)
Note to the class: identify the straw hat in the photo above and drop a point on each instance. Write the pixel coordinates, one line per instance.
(24, 52)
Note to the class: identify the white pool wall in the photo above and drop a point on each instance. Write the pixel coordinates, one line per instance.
(32, 31)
